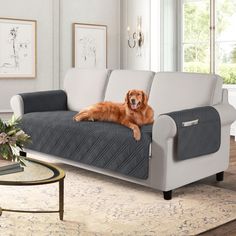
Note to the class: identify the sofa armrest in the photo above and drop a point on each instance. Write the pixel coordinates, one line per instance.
(164, 126)
(227, 113)
(52, 100)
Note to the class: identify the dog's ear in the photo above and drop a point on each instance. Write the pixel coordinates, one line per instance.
(144, 98)
(127, 97)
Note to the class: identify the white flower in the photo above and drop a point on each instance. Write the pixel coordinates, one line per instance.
(20, 133)
(22, 136)
(12, 140)
(3, 138)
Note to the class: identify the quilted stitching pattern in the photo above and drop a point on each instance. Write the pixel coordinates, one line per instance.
(101, 144)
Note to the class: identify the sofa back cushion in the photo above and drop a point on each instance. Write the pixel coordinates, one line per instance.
(85, 87)
(121, 81)
(172, 91)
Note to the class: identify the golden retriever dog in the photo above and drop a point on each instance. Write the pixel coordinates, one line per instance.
(133, 113)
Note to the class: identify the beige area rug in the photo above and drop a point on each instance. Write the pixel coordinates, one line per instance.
(99, 205)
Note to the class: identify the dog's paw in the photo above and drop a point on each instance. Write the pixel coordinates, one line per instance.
(137, 134)
(91, 119)
(76, 118)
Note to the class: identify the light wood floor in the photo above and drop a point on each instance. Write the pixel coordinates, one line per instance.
(229, 182)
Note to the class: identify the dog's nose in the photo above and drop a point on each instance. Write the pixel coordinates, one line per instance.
(133, 101)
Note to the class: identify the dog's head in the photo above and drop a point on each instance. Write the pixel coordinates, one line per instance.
(136, 99)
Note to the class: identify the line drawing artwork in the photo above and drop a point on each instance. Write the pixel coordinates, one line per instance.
(19, 50)
(89, 46)
(88, 51)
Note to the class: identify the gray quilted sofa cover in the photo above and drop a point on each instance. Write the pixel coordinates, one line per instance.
(102, 144)
(198, 132)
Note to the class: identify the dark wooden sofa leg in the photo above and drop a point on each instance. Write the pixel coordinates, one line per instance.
(220, 176)
(167, 195)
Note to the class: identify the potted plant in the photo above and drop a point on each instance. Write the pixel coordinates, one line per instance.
(12, 138)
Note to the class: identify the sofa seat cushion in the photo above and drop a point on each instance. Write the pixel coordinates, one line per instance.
(102, 144)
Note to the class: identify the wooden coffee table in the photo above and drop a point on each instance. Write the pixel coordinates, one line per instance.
(37, 173)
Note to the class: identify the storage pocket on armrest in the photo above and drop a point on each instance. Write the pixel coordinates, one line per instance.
(198, 131)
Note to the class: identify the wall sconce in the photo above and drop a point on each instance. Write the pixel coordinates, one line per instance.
(137, 37)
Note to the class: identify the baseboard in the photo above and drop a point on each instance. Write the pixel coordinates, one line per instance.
(6, 111)
(5, 115)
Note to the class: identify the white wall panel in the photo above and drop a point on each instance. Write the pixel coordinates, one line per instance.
(42, 11)
(104, 12)
(131, 9)
(54, 38)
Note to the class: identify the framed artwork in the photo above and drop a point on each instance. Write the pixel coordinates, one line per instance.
(17, 48)
(89, 46)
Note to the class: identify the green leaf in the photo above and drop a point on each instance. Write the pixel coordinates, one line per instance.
(2, 126)
(11, 132)
(16, 140)
(5, 151)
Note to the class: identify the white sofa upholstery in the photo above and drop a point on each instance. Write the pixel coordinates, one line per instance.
(85, 87)
(121, 81)
(169, 91)
(172, 91)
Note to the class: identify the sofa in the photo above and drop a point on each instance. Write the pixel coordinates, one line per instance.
(152, 161)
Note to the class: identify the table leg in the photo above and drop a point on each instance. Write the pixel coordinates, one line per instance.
(61, 198)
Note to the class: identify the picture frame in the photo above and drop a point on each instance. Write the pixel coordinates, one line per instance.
(89, 46)
(18, 48)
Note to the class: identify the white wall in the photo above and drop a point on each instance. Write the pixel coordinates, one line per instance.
(42, 11)
(156, 27)
(105, 12)
(160, 30)
(170, 35)
(54, 38)
(130, 10)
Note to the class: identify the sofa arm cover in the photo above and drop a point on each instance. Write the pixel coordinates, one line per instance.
(164, 126)
(198, 132)
(53, 100)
